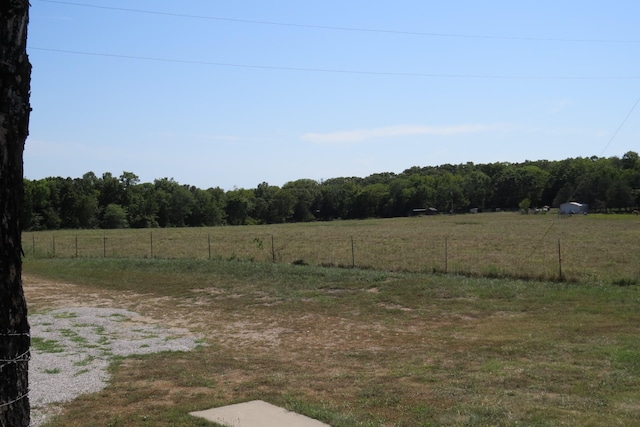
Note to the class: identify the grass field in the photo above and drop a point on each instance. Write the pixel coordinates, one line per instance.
(593, 248)
(375, 346)
(357, 347)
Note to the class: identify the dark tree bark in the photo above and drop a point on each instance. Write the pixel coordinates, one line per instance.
(15, 81)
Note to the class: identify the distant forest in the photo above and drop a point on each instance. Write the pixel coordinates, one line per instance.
(606, 184)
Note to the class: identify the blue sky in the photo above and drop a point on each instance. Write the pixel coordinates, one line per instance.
(232, 94)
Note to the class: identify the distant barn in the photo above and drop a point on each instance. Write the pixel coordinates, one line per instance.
(573, 208)
(424, 211)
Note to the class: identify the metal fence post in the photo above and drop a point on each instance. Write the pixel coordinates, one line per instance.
(353, 254)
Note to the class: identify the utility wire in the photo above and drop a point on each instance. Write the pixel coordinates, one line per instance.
(620, 127)
(577, 187)
(338, 28)
(338, 71)
(575, 190)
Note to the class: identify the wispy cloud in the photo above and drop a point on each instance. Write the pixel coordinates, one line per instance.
(361, 135)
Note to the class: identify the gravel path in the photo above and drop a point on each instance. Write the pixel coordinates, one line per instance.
(73, 347)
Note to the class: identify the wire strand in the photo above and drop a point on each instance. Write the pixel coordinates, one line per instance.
(335, 71)
(339, 28)
(24, 357)
(620, 127)
(17, 399)
(575, 190)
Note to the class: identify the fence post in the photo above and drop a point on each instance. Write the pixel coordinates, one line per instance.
(273, 250)
(104, 245)
(209, 244)
(353, 254)
(53, 246)
(76, 246)
(151, 243)
(560, 261)
(33, 244)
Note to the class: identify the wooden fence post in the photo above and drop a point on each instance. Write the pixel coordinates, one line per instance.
(560, 261)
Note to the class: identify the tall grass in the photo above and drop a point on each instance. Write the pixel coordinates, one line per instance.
(582, 248)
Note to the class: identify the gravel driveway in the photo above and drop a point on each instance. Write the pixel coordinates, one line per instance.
(73, 347)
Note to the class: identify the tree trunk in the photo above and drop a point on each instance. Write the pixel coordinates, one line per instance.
(15, 81)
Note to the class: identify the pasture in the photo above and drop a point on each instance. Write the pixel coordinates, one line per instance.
(374, 346)
(594, 248)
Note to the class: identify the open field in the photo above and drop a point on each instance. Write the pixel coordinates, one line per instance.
(356, 347)
(593, 248)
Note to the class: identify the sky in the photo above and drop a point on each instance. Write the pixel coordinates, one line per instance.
(231, 94)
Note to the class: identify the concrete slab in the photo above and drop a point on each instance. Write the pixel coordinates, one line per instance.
(257, 414)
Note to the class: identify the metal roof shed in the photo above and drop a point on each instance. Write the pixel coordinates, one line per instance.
(574, 208)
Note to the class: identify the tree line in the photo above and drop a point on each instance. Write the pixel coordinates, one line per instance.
(108, 201)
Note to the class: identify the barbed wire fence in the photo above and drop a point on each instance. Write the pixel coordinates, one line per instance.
(553, 259)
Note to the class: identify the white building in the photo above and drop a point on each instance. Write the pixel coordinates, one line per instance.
(574, 208)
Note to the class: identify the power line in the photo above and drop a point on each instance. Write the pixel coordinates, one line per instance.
(339, 28)
(620, 127)
(579, 183)
(337, 71)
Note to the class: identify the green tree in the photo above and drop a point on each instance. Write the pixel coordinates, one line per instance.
(175, 202)
(218, 200)
(410, 192)
(181, 206)
(37, 210)
(128, 181)
(272, 204)
(238, 206)
(619, 195)
(110, 190)
(524, 206)
(477, 187)
(207, 209)
(143, 206)
(261, 209)
(338, 198)
(449, 194)
(372, 200)
(566, 179)
(515, 183)
(631, 160)
(306, 193)
(114, 216)
(281, 206)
